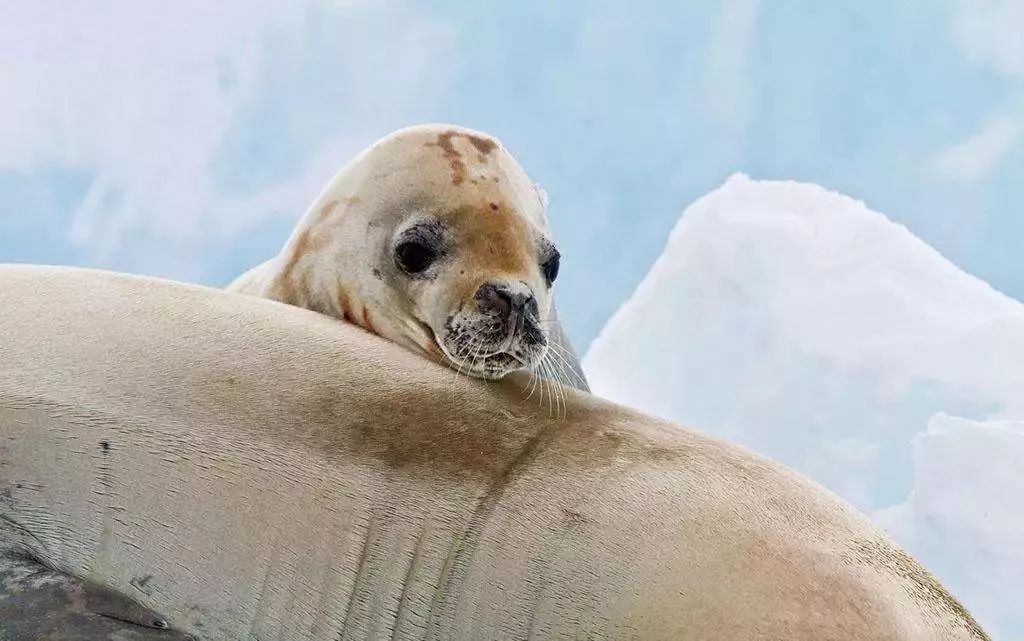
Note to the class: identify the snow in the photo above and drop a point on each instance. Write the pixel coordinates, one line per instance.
(800, 323)
(963, 519)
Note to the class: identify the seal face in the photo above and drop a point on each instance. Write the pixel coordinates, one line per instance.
(434, 238)
(479, 280)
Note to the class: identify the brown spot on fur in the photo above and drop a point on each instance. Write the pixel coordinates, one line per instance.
(494, 206)
(444, 141)
(298, 251)
(344, 306)
(285, 282)
(470, 442)
(367, 323)
(437, 445)
(325, 211)
(289, 285)
(483, 145)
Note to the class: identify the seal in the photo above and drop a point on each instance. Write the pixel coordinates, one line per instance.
(240, 470)
(434, 238)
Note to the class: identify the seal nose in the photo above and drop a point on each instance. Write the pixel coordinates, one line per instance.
(507, 301)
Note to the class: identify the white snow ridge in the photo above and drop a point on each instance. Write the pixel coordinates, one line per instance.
(964, 518)
(800, 323)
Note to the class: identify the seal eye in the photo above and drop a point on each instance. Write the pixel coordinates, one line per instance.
(550, 267)
(414, 256)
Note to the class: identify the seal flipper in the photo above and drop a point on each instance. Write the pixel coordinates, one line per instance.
(37, 602)
(567, 359)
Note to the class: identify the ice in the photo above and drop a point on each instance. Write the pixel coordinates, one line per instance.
(965, 516)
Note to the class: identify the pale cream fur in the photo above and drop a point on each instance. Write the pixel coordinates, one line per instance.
(339, 260)
(279, 475)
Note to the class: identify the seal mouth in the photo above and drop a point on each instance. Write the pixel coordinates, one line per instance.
(494, 364)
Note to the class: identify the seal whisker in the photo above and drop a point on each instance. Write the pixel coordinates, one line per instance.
(574, 378)
(523, 389)
(461, 355)
(553, 398)
(547, 385)
(543, 382)
(562, 367)
(562, 354)
(541, 385)
(558, 387)
(458, 370)
(534, 381)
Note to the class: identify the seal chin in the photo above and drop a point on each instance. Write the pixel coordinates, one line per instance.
(498, 365)
(492, 365)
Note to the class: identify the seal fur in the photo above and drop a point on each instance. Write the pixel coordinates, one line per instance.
(252, 470)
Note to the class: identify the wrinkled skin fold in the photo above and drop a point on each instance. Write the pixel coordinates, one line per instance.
(244, 469)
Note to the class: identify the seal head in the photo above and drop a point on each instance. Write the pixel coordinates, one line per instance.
(434, 238)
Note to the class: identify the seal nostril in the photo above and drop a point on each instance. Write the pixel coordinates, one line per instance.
(502, 301)
(530, 307)
(492, 298)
